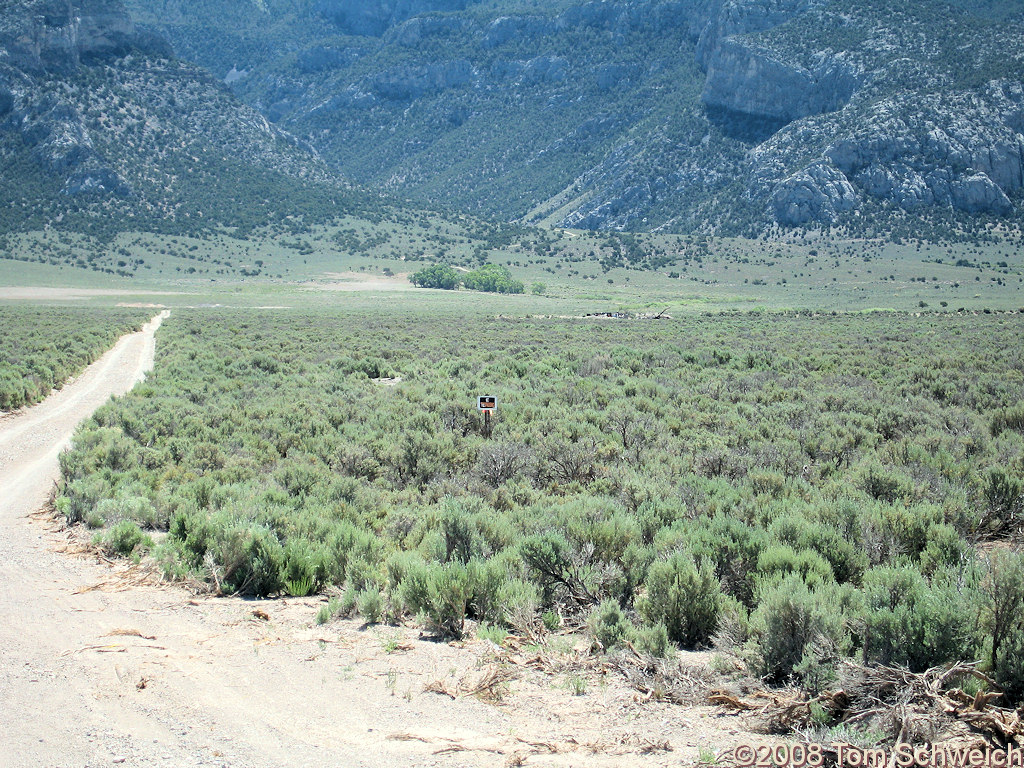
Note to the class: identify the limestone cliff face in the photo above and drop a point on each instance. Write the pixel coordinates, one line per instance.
(743, 79)
(916, 150)
(722, 19)
(59, 35)
(50, 38)
(963, 151)
(374, 17)
(726, 115)
(407, 84)
(815, 194)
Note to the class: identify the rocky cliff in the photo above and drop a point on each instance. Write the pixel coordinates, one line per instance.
(58, 35)
(751, 81)
(98, 121)
(374, 17)
(846, 108)
(42, 38)
(916, 129)
(723, 115)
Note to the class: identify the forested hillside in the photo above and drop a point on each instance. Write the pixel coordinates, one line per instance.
(637, 114)
(881, 117)
(102, 129)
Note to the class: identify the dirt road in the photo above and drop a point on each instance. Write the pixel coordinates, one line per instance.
(99, 667)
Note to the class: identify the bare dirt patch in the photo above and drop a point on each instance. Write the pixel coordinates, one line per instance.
(358, 281)
(46, 293)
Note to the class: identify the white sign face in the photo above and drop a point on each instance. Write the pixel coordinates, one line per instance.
(486, 403)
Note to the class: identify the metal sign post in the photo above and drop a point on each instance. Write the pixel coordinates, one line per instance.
(486, 404)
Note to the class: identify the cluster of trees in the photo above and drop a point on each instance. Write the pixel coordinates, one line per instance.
(799, 489)
(41, 348)
(437, 276)
(491, 278)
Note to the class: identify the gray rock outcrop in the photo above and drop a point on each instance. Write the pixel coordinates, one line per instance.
(721, 19)
(751, 81)
(963, 151)
(506, 28)
(408, 84)
(42, 37)
(419, 28)
(321, 58)
(816, 194)
(374, 17)
(59, 35)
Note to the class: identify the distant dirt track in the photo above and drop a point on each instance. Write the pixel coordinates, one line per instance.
(101, 664)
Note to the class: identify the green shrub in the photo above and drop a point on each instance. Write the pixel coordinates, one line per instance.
(909, 622)
(885, 484)
(547, 556)
(778, 561)
(484, 580)
(303, 567)
(82, 497)
(328, 611)
(732, 545)
(437, 276)
(251, 560)
(1003, 620)
(492, 278)
(733, 628)
(173, 562)
(520, 601)
(459, 532)
(440, 593)
(348, 601)
(847, 563)
(397, 565)
(491, 632)
(653, 640)
(817, 668)
(360, 575)
(299, 587)
(1004, 500)
(449, 595)
(124, 539)
(137, 509)
(684, 598)
(946, 548)
(789, 621)
(890, 530)
(608, 625)
(370, 605)
(1009, 669)
(1007, 418)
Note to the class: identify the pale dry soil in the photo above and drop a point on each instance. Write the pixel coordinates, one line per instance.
(102, 665)
(358, 281)
(48, 293)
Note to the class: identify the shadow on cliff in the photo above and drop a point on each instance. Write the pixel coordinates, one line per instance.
(750, 129)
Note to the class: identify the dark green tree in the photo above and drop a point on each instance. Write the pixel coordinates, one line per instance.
(436, 276)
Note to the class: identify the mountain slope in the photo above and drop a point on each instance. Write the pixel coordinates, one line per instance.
(99, 125)
(729, 115)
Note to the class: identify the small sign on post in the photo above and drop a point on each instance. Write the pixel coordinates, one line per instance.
(487, 404)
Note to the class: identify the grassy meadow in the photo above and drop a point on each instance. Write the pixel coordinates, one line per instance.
(577, 271)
